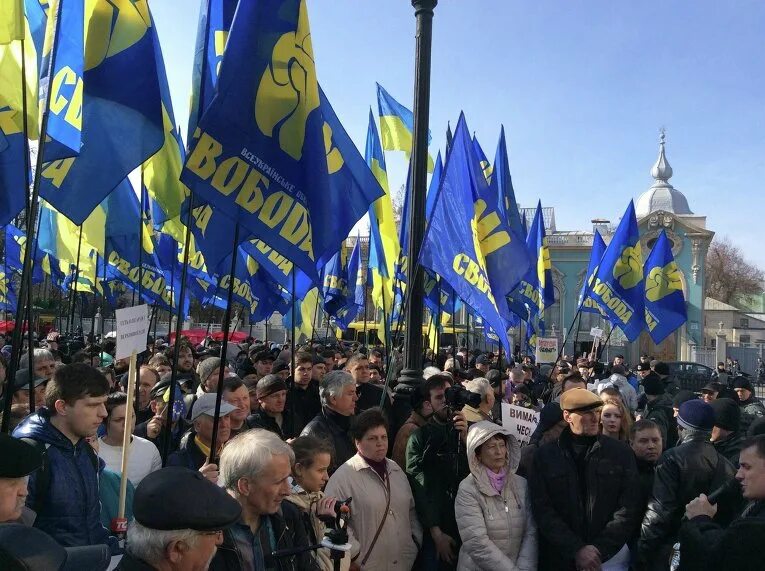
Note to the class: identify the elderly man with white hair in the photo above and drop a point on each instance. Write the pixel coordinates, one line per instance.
(255, 469)
(482, 387)
(338, 403)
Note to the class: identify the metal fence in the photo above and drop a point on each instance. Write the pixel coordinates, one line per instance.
(747, 356)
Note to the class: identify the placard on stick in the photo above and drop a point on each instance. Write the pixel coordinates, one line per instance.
(547, 349)
(132, 330)
(520, 421)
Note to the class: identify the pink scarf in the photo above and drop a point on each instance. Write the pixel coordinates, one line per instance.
(497, 479)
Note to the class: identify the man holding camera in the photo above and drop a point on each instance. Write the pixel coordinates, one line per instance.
(436, 463)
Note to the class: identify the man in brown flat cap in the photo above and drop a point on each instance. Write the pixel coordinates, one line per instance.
(584, 492)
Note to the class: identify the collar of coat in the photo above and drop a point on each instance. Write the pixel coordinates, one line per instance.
(358, 463)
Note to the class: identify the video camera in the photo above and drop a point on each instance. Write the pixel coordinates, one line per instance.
(458, 397)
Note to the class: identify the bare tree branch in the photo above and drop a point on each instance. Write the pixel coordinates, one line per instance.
(728, 275)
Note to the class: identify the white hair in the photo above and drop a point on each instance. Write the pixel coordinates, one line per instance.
(430, 371)
(149, 544)
(452, 363)
(333, 384)
(479, 386)
(39, 354)
(248, 454)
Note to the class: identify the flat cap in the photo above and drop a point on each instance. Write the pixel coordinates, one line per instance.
(661, 368)
(269, 385)
(711, 387)
(264, 355)
(579, 400)
(205, 404)
(206, 368)
(179, 498)
(482, 360)
(162, 386)
(21, 380)
(17, 458)
(279, 366)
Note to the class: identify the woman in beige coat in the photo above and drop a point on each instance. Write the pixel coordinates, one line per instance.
(492, 508)
(383, 517)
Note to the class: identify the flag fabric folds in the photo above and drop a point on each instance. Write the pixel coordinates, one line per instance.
(384, 247)
(618, 286)
(269, 151)
(335, 289)
(536, 291)
(396, 125)
(8, 299)
(586, 303)
(348, 313)
(460, 257)
(11, 21)
(120, 108)
(664, 301)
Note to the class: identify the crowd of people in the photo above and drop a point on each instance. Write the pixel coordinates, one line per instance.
(263, 460)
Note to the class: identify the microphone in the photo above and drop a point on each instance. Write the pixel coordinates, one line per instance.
(730, 486)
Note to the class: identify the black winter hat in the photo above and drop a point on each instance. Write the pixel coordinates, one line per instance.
(653, 385)
(742, 382)
(727, 414)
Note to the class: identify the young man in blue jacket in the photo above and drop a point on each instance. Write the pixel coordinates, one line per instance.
(64, 491)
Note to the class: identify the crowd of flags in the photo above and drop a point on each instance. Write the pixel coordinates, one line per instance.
(268, 184)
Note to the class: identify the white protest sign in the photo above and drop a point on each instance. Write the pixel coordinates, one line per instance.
(547, 349)
(132, 329)
(520, 421)
(596, 332)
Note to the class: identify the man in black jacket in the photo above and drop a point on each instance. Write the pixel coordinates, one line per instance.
(303, 392)
(751, 407)
(338, 399)
(705, 545)
(370, 395)
(272, 415)
(726, 435)
(659, 408)
(584, 492)
(685, 471)
(255, 470)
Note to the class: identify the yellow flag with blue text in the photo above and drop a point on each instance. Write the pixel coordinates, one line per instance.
(397, 125)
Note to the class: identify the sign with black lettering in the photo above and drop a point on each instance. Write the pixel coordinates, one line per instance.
(132, 330)
(520, 421)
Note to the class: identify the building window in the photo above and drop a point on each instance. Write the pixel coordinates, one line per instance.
(745, 339)
(745, 322)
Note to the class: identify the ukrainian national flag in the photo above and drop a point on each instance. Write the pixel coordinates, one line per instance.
(11, 21)
(396, 125)
(664, 301)
(384, 247)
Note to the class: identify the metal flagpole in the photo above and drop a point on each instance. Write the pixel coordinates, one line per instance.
(292, 325)
(73, 292)
(212, 459)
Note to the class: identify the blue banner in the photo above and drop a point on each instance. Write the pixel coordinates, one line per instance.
(460, 257)
(664, 301)
(586, 303)
(335, 288)
(618, 286)
(270, 151)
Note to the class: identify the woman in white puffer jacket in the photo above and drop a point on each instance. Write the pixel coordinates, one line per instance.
(492, 508)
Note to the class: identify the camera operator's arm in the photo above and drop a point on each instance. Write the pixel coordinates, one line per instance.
(460, 424)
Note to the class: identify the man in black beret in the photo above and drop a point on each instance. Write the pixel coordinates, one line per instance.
(179, 518)
(17, 460)
(726, 435)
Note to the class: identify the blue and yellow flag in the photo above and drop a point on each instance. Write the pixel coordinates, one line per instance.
(64, 129)
(8, 299)
(618, 286)
(215, 18)
(269, 151)
(306, 314)
(463, 258)
(486, 166)
(345, 315)
(502, 184)
(536, 291)
(396, 125)
(586, 303)
(664, 301)
(14, 152)
(11, 21)
(120, 108)
(384, 247)
(335, 288)
(278, 267)
(15, 241)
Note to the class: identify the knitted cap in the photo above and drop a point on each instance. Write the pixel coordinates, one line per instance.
(727, 414)
(696, 415)
(206, 367)
(653, 385)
